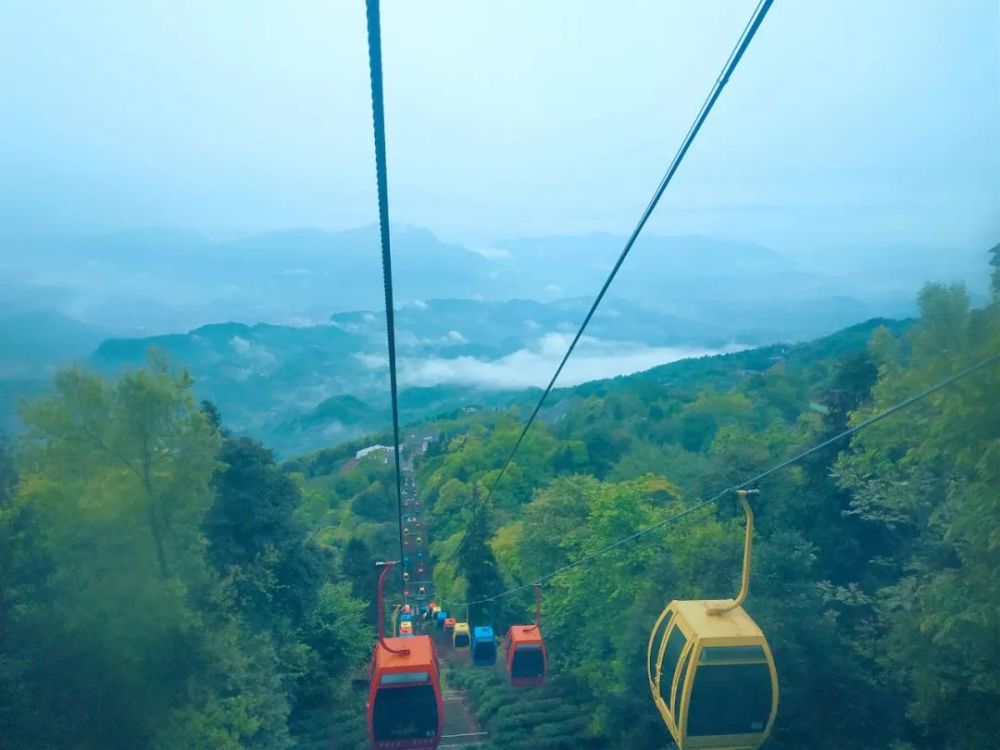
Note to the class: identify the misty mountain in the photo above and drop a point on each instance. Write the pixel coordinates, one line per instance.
(474, 327)
(160, 280)
(305, 386)
(150, 281)
(35, 343)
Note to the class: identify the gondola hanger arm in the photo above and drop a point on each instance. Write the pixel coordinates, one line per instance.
(747, 546)
(386, 568)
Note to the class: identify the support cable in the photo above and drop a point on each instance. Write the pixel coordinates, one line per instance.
(378, 116)
(734, 58)
(863, 425)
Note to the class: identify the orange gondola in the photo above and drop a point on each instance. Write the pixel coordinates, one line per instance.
(527, 660)
(405, 708)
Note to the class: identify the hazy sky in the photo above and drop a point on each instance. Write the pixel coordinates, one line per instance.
(849, 121)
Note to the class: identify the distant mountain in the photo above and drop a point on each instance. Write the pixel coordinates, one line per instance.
(33, 344)
(150, 281)
(159, 280)
(474, 327)
(485, 328)
(299, 387)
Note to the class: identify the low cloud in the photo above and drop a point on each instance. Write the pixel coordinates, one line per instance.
(257, 359)
(533, 366)
(373, 361)
(240, 345)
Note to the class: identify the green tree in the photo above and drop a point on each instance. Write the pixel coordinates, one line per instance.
(931, 479)
(255, 538)
(478, 566)
(133, 642)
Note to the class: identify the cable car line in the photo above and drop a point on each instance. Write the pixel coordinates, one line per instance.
(378, 118)
(886, 413)
(405, 700)
(734, 58)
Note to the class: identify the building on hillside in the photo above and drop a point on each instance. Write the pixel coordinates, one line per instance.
(386, 451)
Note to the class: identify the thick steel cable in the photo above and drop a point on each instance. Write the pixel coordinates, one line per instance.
(378, 116)
(727, 70)
(920, 396)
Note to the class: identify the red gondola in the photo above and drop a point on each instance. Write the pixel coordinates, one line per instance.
(405, 709)
(527, 660)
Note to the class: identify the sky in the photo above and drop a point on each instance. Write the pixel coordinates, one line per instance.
(849, 122)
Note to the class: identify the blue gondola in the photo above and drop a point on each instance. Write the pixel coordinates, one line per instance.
(484, 646)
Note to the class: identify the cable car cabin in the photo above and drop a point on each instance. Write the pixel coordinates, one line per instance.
(484, 646)
(404, 700)
(527, 660)
(712, 677)
(461, 638)
(406, 576)
(710, 669)
(449, 627)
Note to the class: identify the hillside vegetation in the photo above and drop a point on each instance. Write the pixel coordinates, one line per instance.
(165, 584)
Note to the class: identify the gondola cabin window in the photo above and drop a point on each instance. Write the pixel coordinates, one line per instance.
(405, 713)
(731, 692)
(528, 662)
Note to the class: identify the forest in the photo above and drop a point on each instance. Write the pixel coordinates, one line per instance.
(167, 584)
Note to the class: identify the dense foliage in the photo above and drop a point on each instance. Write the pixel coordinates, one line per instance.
(157, 588)
(875, 562)
(165, 584)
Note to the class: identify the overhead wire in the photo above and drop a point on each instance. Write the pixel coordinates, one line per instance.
(378, 117)
(747, 483)
(727, 70)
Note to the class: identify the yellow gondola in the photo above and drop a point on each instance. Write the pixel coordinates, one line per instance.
(710, 669)
(461, 638)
